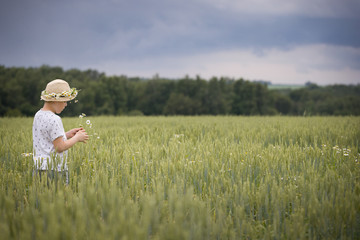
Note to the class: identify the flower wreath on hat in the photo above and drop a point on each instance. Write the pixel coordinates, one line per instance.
(65, 94)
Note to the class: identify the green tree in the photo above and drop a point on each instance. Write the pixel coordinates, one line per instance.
(115, 88)
(283, 104)
(179, 104)
(244, 101)
(156, 94)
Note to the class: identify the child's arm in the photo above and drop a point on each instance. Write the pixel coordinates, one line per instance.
(61, 145)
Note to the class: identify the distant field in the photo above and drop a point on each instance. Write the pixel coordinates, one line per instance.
(188, 178)
(284, 86)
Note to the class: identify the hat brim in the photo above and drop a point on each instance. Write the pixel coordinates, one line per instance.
(60, 99)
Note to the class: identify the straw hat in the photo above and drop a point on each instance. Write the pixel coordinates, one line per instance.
(58, 91)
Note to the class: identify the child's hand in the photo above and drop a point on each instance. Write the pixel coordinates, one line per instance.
(72, 132)
(82, 135)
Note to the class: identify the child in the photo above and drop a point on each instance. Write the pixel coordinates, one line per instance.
(50, 141)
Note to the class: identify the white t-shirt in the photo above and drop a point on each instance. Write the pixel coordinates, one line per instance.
(47, 127)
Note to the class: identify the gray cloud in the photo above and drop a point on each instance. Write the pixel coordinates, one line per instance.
(88, 32)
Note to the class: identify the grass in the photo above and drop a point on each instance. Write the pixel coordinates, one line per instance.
(188, 178)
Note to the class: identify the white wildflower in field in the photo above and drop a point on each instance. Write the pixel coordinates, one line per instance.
(90, 130)
(346, 152)
(26, 154)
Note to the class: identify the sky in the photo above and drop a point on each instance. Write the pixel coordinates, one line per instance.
(281, 41)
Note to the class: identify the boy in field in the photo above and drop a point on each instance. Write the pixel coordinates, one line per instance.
(50, 141)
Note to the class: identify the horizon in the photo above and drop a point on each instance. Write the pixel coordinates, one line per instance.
(159, 76)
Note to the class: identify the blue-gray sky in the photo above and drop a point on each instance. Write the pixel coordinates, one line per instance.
(282, 41)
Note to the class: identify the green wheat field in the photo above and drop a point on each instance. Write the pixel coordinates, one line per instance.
(188, 178)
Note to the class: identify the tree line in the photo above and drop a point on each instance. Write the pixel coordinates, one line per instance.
(121, 95)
